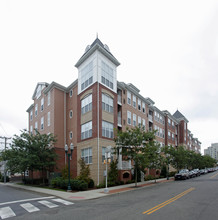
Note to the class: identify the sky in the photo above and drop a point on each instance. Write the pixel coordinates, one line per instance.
(167, 49)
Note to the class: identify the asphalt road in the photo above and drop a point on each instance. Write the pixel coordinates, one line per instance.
(192, 199)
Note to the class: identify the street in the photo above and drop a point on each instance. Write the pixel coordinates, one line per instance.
(195, 198)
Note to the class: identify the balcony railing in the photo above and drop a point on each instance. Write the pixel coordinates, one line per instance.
(124, 165)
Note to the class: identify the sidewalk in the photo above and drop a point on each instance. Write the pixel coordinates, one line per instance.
(89, 194)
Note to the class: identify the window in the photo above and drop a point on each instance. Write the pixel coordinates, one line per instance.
(86, 104)
(155, 116)
(86, 155)
(36, 110)
(49, 118)
(163, 133)
(128, 97)
(87, 76)
(103, 154)
(139, 121)
(107, 103)
(169, 134)
(139, 105)
(169, 122)
(173, 136)
(31, 129)
(128, 117)
(134, 119)
(143, 123)
(173, 123)
(36, 125)
(134, 101)
(86, 130)
(49, 98)
(143, 107)
(42, 123)
(31, 115)
(107, 129)
(71, 135)
(71, 93)
(107, 75)
(42, 104)
(71, 113)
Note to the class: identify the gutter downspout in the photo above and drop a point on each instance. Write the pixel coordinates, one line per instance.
(98, 115)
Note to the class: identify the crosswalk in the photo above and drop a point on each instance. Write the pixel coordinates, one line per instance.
(35, 206)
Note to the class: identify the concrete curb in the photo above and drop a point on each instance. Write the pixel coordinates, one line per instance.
(89, 194)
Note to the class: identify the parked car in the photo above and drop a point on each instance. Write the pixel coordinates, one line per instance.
(192, 174)
(182, 175)
(197, 172)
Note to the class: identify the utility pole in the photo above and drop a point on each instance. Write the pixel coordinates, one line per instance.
(6, 138)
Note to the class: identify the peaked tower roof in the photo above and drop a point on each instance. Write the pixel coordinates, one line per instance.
(97, 45)
(178, 115)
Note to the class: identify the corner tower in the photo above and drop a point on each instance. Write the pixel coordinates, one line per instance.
(97, 106)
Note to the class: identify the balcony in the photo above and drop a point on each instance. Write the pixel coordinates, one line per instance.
(124, 165)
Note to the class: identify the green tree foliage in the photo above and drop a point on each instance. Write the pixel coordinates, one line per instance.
(113, 173)
(84, 171)
(181, 158)
(139, 146)
(31, 152)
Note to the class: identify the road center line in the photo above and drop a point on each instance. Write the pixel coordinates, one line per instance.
(150, 211)
(213, 176)
(27, 200)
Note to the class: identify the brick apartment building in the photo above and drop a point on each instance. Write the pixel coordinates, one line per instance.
(86, 112)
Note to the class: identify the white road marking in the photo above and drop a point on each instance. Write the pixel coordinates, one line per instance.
(27, 200)
(48, 204)
(63, 201)
(6, 212)
(29, 207)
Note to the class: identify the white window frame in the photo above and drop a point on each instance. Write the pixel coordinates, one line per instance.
(42, 104)
(139, 121)
(48, 119)
(107, 103)
(71, 114)
(134, 101)
(71, 93)
(134, 119)
(49, 98)
(42, 123)
(71, 135)
(36, 109)
(86, 130)
(129, 97)
(139, 104)
(86, 104)
(107, 75)
(86, 155)
(143, 108)
(129, 118)
(31, 115)
(87, 76)
(107, 129)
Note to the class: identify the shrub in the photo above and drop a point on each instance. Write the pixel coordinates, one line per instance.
(172, 173)
(7, 179)
(91, 183)
(149, 177)
(101, 185)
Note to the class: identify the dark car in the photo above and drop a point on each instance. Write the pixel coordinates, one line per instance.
(182, 175)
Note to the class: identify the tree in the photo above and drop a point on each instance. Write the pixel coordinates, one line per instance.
(154, 157)
(31, 152)
(84, 171)
(135, 143)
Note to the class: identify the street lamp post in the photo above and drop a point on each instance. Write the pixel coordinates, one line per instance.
(69, 155)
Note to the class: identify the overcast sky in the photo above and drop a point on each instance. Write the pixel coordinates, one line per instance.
(167, 49)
